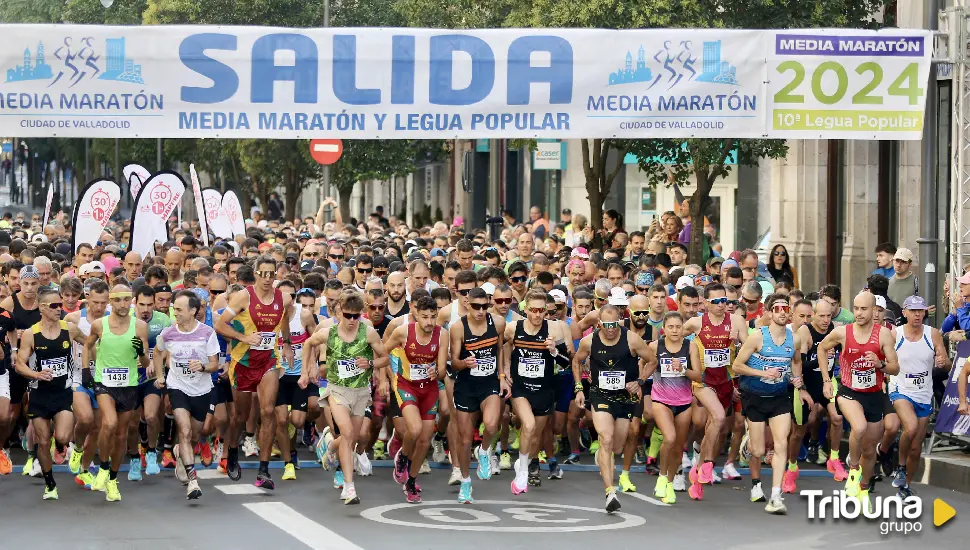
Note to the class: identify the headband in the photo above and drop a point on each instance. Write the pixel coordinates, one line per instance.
(124, 294)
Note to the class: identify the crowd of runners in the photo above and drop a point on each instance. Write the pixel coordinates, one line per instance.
(506, 353)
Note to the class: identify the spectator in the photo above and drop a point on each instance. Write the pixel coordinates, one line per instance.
(957, 323)
(540, 225)
(748, 260)
(779, 266)
(884, 260)
(275, 207)
(904, 282)
(878, 285)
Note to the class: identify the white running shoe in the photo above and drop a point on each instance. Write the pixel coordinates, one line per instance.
(757, 494)
(364, 467)
(455, 478)
(494, 461)
(715, 478)
(685, 462)
(250, 448)
(730, 472)
(776, 506)
(425, 468)
(438, 450)
(36, 471)
(680, 483)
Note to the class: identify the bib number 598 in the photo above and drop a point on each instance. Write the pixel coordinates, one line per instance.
(870, 73)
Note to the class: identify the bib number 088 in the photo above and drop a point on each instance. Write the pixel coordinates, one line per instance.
(905, 85)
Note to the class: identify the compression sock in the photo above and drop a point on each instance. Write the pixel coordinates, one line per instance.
(264, 466)
(656, 440)
(113, 475)
(792, 466)
(834, 455)
(143, 432)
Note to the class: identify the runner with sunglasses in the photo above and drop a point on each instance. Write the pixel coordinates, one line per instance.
(618, 360)
(642, 421)
(717, 334)
(255, 321)
(767, 365)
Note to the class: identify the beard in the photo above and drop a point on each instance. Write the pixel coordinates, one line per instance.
(395, 297)
(638, 324)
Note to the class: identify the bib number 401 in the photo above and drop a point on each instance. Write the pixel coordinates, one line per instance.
(906, 85)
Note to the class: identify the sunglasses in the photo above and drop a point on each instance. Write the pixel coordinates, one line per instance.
(717, 301)
(643, 289)
(376, 307)
(266, 274)
(779, 253)
(502, 301)
(749, 300)
(351, 316)
(537, 309)
(216, 292)
(610, 324)
(365, 271)
(732, 302)
(630, 294)
(478, 307)
(642, 313)
(598, 298)
(464, 292)
(292, 261)
(55, 305)
(380, 272)
(552, 311)
(518, 279)
(335, 256)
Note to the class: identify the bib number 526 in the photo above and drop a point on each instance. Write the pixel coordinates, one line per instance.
(869, 78)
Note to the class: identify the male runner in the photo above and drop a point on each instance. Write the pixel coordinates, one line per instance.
(259, 316)
(766, 365)
(919, 348)
(531, 354)
(616, 385)
(189, 351)
(397, 304)
(51, 396)
(480, 384)
(149, 396)
(868, 355)
(292, 401)
(118, 344)
(642, 420)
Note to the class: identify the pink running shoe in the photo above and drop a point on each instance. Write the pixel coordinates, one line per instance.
(412, 495)
(788, 482)
(834, 466)
(516, 490)
(394, 445)
(707, 474)
(400, 468)
(696, 491)
(692, 475)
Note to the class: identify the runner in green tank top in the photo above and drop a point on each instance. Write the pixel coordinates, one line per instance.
(118, 344)
(352, 350)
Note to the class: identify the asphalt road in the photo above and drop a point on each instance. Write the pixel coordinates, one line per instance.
(307, 513)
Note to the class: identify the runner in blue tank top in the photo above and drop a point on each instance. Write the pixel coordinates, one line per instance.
(768, 366)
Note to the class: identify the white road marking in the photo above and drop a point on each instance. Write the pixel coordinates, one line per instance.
(644, 498)
(210, 474)
(300, 527)
(240, 490)
(325, 148)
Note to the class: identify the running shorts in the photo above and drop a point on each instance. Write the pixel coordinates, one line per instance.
(423, 395)
(618, 409)
(126, 398)
(247, 379)
(47, 404)
(542, 403)
(873, 403)
(354, 399)
(147, 388)
(761, 408)
(221, 391)
(290, 393)
(725, 396)
(675, 409)
(470, 394)
(564, 390)
(197, 405)
(922, 409)
(17, 387)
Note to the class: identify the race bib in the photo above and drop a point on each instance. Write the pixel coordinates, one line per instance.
(222, 359)
(863, 379)
(917, 380)
(182, 368)
(484, 366)
(716, 358)
(267, 341)
(780, 380)
(612, 380)
(530, 367)
(57, 366)
(667, 368)
(422, 371)
(347, 368)
(297, 351)
(115, 377)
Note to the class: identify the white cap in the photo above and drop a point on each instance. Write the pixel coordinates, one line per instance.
(618, 297)
(683, 282)
(560, 296)
(489, 288)
(881, 302)
(38, 238)
(91, 267)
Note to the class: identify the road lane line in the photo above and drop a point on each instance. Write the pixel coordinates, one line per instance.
(644, 498)
(210, 474)
(300, 527)
(240, 490)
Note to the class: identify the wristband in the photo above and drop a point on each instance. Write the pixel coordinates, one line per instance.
(578, 387)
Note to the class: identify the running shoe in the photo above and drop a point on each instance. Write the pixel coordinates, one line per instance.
(680, 483)
(411, 494)
(35, 471)
(641, 456)
(484, 464)
(852, 485)
(730, 472)
(249, 446)
(542, 457)
(505, 461)
(514, 436)
(349, 496)
(50, 493)
(744, 451)
(338, 479)
(233, 470)
(823, 457)
(696, 491)
(518, 487)
(438, 449)
(393, 445)
(706, 474)
(84, 479)
(455, 478)
(650, 467)
(465, 493)
(365, 466)
(74, 463)
(205, 453)
(788, 484)
(193, 491)
(812, 452)
(899, 478)
(660, 489)
(59, 456)
(776, 506)
(493, 461)
(834, 466)
(905, 492)
(295, 459)
(289, 472)
(585, 440)
(379, 453)
(769, 456)
(864, 499)
(222, 465)
(111, 492)
(757, 494)
(100, 481)
(612, 502)
(151, 463)
(685, 462)
(534, 479)
(573, 458)
(555, 472)
(885, 461)
(692, 475)
(6, 466)
(264, 481)
(670, 497)
(716, 478)
(400, 473)
(425, 468)
(307, 435)
(28, 466)
(168, 461)
(626, 485)
(134, 469)
(593, 447)
(180, 472)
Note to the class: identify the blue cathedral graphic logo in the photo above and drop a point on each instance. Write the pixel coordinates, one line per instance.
(38, 70)
(118, 66)
(675, 63)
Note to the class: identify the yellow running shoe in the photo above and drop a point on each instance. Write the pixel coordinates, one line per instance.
(84, 479)
(111, 491)
(670, 497)
(101, 481)
(626, 485)
(291, 430)
(514, 435)
(542, 457)
(660, 490)
(50, 494)
(864, 498)
(594, 446)
(28, 466)
(75, 463)
(852, 484)
(289, 472)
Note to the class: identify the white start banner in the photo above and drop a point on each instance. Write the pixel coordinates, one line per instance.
(136, 175)
(215, 214)
(154, 204)
(199, 205)
(230, 203)
(97, 203)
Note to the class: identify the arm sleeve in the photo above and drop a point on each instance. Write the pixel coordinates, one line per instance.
(949, 323)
